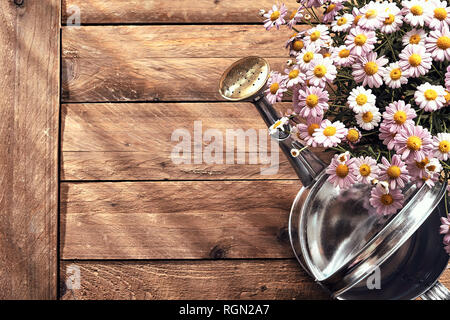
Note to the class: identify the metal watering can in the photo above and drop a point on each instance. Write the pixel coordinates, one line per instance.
(333, 236)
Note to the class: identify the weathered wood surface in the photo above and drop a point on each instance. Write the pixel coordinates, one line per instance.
(219, 279)
(133, 141)
(29, 87)
(159, 63)
(173, 11)
(176, 220)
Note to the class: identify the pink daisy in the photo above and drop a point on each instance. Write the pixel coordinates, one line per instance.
(360, 41)
(366, 169)
(415, 60)
(341, 171)
(353, 136)
(373, 16)
(415, 12)
(275, 17)
(330, 134)
(441, 144)
(445, 229)
(294, 77)
(341, 56)
(313, 101)
(369, 70)
(331, 10)
(295, 17)
(438, 44)
(276, 87)
(307, 55)
(386, 203)
(387, 136)
(306, 131)
(321, 71)
(318, 35)
(393, 20)
(439, 17)
(395, 173)
(399, 115)
(414, 143)
(420, 174)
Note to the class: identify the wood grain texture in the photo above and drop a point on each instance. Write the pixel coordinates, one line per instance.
(29, 87)
(158, 63)
(190, 280)
(174, 11)
(134, 142)
(176, 220)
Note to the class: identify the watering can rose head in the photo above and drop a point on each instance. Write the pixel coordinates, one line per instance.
(371, 82)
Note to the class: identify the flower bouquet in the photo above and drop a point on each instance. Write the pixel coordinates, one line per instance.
(370, 81)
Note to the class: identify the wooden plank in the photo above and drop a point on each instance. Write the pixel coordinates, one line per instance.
(158, 63)
(176, 220)
(191, 280)
(29, 87)
(134, 142)
(175, 11)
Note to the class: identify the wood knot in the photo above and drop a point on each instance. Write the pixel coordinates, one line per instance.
(283, 235)
(218, 252)
(19, 3)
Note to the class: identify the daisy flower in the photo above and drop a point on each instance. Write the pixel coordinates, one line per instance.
(386, 203)
(319, 35)
(439, 17)
(357, 15)
(361, 100)
(393, 20)
(341, 171)
(295, 17)
(398, 116)
(306, 131)
(341, 56)
(313, 101)
(438, 44)
(360, 41)
(294, 77)
(278, 126)
(369, 70)
(330, 134)
(415, 60)
(295, 45)
(430, 97)
(415, 36)
(441, 144)
(366, 169)
(445, 229)
(275, 17)
(393, 76)
(308, 54)
(321, 71)
(369, 119)
(353, 136)
(373, 15)
(415, 12)
(420, 171)
(331, 10)
(276, 87)
(342, 23)
(386, 136)
(395, 173)
(414, 143)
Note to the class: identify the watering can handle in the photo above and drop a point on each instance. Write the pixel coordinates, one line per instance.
(436, 292)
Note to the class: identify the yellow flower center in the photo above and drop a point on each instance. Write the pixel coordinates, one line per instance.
(371, 68)
(387, 199)
(430, 94)
(330, 8)
(293, 74)
(326, 55)
(312, 127)
(308, 56)
(440, 14)
(298, 45)
(414, 143)
(364, 170)
(315, 35)
(400, 117)
(393, 172)
(357, 19)
(275, 15)
(342, 170)
(416, 10)
(293, 15)
(320, 71)
(422, 164)
(360, 39)
(312, 100)
(341, 21)
(443, 42)
(361, 99)
(367, 117)
(390, 19)
(274, 88)
(371, 13)
(414, 39)
(396, 74)
(329, 131)
(415, 59)
(352, 135)
(447, 96)
(444, 146)
(344, 53)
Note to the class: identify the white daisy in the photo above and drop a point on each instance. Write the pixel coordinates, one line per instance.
(373, 15)
(415, 36)
(369, 119)
(330, 134)
(319, 35)
(361, 100)
(415, 12)
(438, 44)
(342, 23)
(393, 19)
(366, 169)
(307, 55)
(441, 143)
(415, 61)
(439, 17)
(430, 97)
(321, 72)
(393, 76)
(341, 56)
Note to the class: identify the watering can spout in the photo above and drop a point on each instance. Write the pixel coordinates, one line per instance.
(245, 80)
